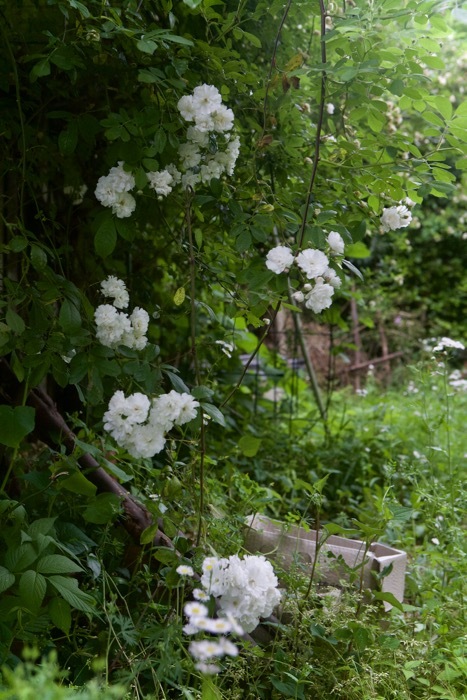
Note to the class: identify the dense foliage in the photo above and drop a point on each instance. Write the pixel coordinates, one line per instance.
(187, 191)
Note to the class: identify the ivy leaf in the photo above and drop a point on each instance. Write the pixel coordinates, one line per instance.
(15, 424)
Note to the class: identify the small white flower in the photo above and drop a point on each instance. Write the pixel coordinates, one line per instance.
(116, 289)
(184, 570)
(313, 262)
(194, 609)
(330, 108)
(279, 259)
(199, 594)
(336, 243)
(394, 218)
(205, 650)
(207, 669)
(320, 297)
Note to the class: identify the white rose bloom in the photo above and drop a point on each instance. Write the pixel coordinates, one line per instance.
(114, 287)
(201, 138)
(313, 262)
(394, 218)
(206, 99)
(320, 297)
(222, 119)
(333, 278)
(124, 206)
(190, 155)
(190, 179)
(279, 259)
(186, 108)
(336, 243)
(161, 181)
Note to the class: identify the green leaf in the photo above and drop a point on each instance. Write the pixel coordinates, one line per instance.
(69, 590)
(69, 317)
(38, 257)
(57, 564)
(357, 250)
(146, 46)
(105, 239)
(104, 509)
(40, 70)
(249, 445)
(179, 296)
(214, 413)
(148, 534)
(77, 483)
(388, 598)
(7, 579)
(60, 614)
(15, 424)
(41, 526)
(14, 321)
(82, 9)
(193, 3)
(68, 139)
(20, 557)
(32, 587)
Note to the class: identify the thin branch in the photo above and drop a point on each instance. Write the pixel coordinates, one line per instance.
(273, 62)
(319, 125)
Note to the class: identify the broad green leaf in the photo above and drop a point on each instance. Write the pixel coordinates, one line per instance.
(146, 46)
(69, 317)
(104, 509)
(179, 296)
(38, 257)
(20, 557)
(249, 445)
(7, 579)
(69, 590)
(60, 614)
(148, 534)
(57, 564)
(41, 526)
(14, 321)
(105, 239)
(357, 250)
(68, 139)
(32, 587)
(15, 424)
(77, 483)
(388, 598)
(214, 413)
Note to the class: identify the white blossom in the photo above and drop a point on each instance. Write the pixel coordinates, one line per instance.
(124, 205)
(184, 570)
(279, 259)
(115, 288)
(161, 182)
(111, 325)
(394, 218)
(313, 262)
(336, 243)
(332, 278)
(320, 297)
(246, 588)
(112, 190)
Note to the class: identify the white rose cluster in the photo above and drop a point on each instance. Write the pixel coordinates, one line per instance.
(246, 588)
(140, 425)
(113, 327)
(210, 151)
(314, 264)
(394, 218)
(113, 190)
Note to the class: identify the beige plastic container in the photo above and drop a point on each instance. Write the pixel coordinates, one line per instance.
(288, 544)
